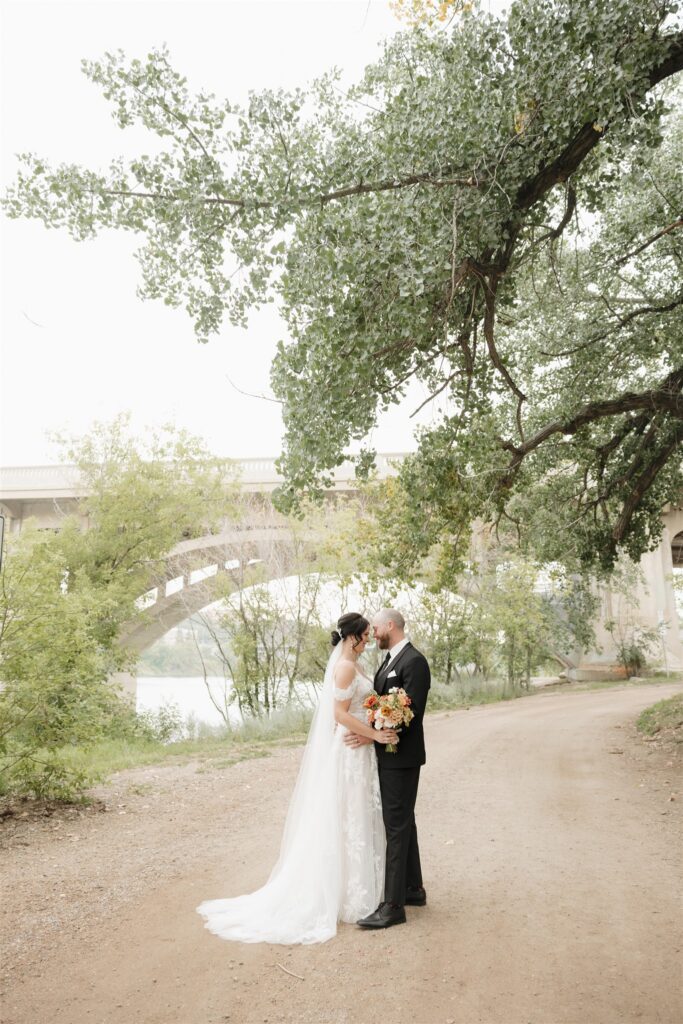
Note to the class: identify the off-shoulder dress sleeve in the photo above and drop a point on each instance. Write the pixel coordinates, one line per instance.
(345, 694)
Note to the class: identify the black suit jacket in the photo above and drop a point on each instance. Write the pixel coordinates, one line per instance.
(413, 675)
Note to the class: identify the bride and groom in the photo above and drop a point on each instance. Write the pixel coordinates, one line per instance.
(349, 850)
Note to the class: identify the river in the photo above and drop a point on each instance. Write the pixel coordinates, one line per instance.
(191, 697)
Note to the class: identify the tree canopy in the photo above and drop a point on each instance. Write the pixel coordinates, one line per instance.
(493, 210)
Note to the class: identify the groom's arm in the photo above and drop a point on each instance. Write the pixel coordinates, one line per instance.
(415, 678)
(352, 739)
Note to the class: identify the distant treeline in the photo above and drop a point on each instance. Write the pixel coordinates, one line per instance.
(180, 656)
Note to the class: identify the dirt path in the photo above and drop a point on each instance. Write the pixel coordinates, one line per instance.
(551, 851)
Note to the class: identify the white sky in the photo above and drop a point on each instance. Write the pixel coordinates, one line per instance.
(77, 345)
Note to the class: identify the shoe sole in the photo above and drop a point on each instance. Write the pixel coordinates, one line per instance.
(376, 927)
(416, 903)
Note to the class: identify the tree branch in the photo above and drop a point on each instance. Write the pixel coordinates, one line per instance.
(659, 234)
(587, 137)
(570, 206)
(320, 199)
(641, 311)
(667, 397)
(490, 288)
(642, 485)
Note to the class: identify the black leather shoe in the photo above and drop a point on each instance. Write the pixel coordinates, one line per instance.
(416, 897)
(385, 915)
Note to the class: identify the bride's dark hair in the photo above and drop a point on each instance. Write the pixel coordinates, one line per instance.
(351, 624)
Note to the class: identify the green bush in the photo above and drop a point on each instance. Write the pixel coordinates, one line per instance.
(163, 725)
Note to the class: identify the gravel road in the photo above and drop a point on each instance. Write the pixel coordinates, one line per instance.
(551, 843)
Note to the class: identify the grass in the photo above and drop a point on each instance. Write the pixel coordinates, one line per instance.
(654, 679)
(216, 747)
(472, 691)
(664, 716)
(480, 691)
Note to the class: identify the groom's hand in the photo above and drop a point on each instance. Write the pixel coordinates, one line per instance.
(352, 739)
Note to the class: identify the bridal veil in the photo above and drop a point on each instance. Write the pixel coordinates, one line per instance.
(300, 901)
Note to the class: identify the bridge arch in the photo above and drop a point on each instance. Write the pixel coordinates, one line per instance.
(196, 571)
(194, 574)
(673, 524)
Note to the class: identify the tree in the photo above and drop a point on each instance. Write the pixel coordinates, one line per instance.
(273, 639)
(522, 618)
(270, 631)
(141, 498)
(402, 227)
(65, 597)
(429, 12)
(441, 626)
(52, 665)
(593, 475)
(510, 616)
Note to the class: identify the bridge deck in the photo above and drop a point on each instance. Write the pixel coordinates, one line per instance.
(39, 483)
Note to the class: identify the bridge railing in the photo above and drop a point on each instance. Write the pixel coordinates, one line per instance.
(35, 482)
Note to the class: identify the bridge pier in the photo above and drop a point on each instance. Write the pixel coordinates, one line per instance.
(651, 606)
(128, 683)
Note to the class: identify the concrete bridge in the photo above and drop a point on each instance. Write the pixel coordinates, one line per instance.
(48, 493)
(196, 572)
(189, 576)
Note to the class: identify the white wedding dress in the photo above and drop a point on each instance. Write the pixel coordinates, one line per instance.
(331, 863)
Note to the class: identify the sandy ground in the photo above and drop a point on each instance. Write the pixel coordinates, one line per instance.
(551, 842)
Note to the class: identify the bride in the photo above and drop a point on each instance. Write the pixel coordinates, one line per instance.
(331, 863)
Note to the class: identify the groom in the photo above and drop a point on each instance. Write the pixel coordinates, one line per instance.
(399, 773)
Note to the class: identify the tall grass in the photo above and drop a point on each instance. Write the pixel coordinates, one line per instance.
(469, 691)
(664, 715)
(202, 743)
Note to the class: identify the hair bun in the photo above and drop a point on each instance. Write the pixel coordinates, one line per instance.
(350, 625)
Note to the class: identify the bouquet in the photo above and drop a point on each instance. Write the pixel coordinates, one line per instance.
(390, 711)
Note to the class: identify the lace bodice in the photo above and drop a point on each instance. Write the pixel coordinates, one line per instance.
(357, 691)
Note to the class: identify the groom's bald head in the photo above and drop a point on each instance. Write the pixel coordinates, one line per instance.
(387, 615)
(388, 627)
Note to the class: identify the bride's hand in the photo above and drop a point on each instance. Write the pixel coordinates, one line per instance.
(386, 736)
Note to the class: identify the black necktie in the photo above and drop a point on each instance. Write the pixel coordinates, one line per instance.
(385, 662)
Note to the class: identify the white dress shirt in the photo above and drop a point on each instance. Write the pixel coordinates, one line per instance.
(396, 649)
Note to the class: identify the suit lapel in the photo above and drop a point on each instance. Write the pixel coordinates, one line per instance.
(391, 667)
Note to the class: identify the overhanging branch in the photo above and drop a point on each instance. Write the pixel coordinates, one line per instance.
(587, 137)
(659, 234)
(666, 397)
(622, 322)
(642, 485)
(315, 199)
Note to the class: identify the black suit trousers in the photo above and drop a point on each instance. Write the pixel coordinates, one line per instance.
(399, 793)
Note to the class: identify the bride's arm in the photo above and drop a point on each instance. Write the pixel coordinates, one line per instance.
(345, 673)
